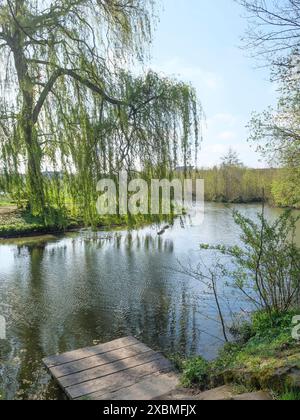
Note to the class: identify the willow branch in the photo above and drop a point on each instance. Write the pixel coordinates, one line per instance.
(82, 80)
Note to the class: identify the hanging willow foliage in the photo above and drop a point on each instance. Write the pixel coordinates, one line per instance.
(70, 114)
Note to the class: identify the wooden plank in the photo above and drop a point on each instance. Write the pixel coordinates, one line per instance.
(123, 369)
(119, 380)
(148, 389)
(89, 351)
(100, 372)
(99, 360)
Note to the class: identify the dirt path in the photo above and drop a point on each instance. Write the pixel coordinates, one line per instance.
(7, 210)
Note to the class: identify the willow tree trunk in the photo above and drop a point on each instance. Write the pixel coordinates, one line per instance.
(35, 182)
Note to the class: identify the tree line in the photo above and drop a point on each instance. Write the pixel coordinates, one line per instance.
(274, 37)
(232, 182)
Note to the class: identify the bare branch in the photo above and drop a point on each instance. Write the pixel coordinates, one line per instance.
(274, 26)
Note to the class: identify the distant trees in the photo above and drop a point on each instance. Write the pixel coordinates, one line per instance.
(246, 187)
(232, 182)
(230, 169)
(231, 159)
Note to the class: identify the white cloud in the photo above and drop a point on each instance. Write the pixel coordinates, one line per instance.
(211, 153)
(198, 76)
(223, 129)
(227, 135)
(223, 119)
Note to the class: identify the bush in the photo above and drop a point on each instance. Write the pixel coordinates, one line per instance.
(267, 265)
(242, 333)
(263, 326)
(195, 372)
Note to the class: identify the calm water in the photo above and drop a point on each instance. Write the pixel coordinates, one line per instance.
(59, 294)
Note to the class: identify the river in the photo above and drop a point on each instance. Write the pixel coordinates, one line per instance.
(62, 293)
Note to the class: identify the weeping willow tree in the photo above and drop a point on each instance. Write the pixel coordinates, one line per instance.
(71, 113)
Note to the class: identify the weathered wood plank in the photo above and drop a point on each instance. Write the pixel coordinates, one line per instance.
(148, 389)
(99, 360)
(118, 381)
(100, 372)
(123, 369)
(89, 351)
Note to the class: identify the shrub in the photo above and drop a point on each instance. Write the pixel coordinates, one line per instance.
(267, 265)
(195, 372)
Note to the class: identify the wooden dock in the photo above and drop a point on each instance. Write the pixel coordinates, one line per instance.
(124, 369)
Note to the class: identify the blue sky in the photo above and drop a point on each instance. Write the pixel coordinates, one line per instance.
(199, 41)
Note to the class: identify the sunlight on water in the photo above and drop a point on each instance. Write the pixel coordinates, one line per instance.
(59, 294)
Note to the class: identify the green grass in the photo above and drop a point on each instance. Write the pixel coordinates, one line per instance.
(289, 396)
(5, 203)
(21, 222)
(5, 200)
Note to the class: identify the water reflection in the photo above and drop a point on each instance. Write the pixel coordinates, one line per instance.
(74, 292)
(71, 292)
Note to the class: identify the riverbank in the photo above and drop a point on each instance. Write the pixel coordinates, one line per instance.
(17, 223)
(263, 356)
(241, 200)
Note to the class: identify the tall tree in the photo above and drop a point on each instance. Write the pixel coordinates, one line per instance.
(274, 33)
(231, 171)
(231, 159)
(274, 27)
(61, 67)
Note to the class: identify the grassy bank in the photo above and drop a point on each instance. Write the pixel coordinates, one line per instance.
(15, 222)
(263, 356)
